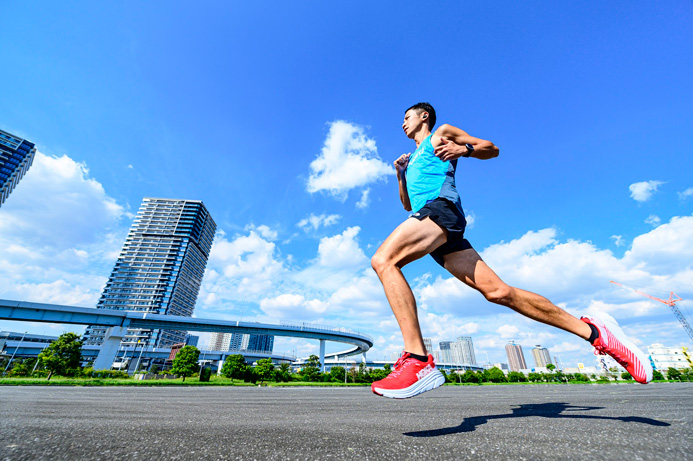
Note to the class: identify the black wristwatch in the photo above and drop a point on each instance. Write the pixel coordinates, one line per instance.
(470, 149)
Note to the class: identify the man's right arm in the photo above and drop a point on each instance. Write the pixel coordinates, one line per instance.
(401, 167)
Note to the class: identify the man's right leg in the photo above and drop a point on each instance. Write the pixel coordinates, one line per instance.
(468, 267)
(410, 241)
(604, 334)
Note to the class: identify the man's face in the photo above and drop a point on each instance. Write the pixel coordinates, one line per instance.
(412, 122)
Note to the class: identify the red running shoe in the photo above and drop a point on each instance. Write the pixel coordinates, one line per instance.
(410, 377)
(614, 342)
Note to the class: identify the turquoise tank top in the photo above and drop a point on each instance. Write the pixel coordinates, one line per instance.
(428, 177)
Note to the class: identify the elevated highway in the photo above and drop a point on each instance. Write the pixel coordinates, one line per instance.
(119, 321)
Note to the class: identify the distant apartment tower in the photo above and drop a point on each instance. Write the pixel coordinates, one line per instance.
(445, 351)
(541, 355)
(16, 156)
(192, 340)
(428, 344)
(240, 342)
(261, 343)
(516, 359)
(160, 268)
(463, 351)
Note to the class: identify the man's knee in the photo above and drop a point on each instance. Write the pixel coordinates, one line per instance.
(499, 294)
(379, 262)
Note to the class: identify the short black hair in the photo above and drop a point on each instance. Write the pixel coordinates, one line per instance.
(425, 107)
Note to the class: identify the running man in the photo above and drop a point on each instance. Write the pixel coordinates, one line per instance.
(427, 189)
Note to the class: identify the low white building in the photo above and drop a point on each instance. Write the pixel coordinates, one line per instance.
(664, 357)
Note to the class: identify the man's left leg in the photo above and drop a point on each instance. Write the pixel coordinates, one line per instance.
(415, 371)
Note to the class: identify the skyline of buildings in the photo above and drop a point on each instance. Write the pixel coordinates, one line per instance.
(159, 269)
(240, 342)
(16, 157)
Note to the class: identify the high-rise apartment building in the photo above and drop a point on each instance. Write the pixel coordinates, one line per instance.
(160, 268)
(428, 344)
(261, 343)
(516, 359)
(445, 352)
(240, 342)
(541, 355)
(463, 351)
(16, 156)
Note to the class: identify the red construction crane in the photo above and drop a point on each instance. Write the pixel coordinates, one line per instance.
(671, 302)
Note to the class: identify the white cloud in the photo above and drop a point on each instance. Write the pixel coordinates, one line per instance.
(245, 268)
(342, 250)
(60, 234)
(653, 220)
(686, 194)
(58, 203)
(348, 160)
(508, 331)
(314, 221)
(643, 191)
(619, 241)
(292, 306)
(365, 199)
(470, 217)
(667, 249)
(264, 231)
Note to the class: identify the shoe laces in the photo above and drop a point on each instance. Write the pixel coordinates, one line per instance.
(399, 364)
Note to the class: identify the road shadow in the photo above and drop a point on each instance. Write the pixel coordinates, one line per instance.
(545, 410)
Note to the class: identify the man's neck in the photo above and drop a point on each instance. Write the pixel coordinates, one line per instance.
(421, 135)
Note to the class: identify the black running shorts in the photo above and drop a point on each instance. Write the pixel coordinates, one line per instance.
(444, 213)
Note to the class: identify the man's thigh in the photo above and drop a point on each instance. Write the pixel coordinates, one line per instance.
(411, 240)
(467, 266)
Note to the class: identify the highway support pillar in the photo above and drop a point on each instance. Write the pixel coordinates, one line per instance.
(322, 355)
(109, 348)
(221, 364)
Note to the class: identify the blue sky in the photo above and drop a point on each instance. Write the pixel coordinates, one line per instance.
(284, 118)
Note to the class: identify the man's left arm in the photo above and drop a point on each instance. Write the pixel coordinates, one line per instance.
(450, 143)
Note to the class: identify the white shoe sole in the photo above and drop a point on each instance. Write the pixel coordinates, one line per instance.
(621, 336)
(430, 381)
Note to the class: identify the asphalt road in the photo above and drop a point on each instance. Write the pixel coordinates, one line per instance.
(584, 422)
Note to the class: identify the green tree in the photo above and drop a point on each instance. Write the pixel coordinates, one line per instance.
(470, 377)
(337, 374)
(62, 355)
(20, 368)
(234, 367)
(517, 377)
(264, 369)
(625, 375)
(551, 367)
(495, 375)
(673, 374)
(657, 376)
(311, 370)
(378, 374)
(185, 364)
(579, 377)
(534, 377)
